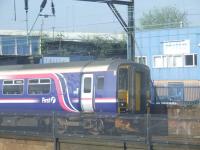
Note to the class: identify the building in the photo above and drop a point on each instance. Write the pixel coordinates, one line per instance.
(173, 58)
(16, 47)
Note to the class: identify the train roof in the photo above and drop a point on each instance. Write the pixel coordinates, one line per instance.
(78, 66)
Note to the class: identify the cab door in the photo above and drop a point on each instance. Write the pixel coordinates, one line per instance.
(124, 83)
(138, 91)
(87, 93)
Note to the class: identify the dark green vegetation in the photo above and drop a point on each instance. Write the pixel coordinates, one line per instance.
(97, 47)
(166, 17)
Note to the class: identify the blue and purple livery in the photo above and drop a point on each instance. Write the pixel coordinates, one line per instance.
(114, 86)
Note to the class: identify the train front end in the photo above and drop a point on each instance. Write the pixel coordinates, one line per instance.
(133, 88)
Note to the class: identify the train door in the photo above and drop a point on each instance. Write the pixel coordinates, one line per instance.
(87, 93)
(125, 91)
(138, 91)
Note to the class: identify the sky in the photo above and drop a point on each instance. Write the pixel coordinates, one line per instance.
(80, 16)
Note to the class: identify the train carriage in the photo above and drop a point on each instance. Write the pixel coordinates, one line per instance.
(114, 86)
(88, 97)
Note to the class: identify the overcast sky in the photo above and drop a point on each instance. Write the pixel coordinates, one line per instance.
(79, 16)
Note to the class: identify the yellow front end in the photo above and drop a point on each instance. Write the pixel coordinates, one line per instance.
(122, 101)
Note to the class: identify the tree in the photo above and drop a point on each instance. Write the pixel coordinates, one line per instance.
(166, 17)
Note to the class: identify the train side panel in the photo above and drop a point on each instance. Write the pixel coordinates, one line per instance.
(57, 92)
(117, 87)
(39, 92)
(105, 92)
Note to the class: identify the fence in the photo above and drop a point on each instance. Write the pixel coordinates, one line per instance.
(180, 125)
(57, 125)
(177, 95)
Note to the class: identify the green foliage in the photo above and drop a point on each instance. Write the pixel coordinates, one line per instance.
(97, 46)
(167, 17)
(108, 47)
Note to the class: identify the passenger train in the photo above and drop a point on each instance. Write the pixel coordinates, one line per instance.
(111, 86)
(88, 97)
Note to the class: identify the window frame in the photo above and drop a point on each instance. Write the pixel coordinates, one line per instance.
(137, 58)
(85, 90)
(39, 83)
(161, 60)
(193, 60)
(174, 61)
(122, 82)
(13, 83)
(167, 64)
(97, 83)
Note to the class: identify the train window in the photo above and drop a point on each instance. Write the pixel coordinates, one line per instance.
(18, 82)
(13, 87)
(44, 81)
(33, 81)
(123, 79)
(8, 82)
(100, 83)
(39, 86)
(87, 85)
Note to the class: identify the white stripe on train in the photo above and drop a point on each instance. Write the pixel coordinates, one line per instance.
(99, 100)
(18, 101)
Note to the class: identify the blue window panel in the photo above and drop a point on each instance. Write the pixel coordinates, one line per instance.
(22, 46)
(35, 43)
(8, 45)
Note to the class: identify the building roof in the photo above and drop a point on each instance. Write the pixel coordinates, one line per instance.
(65, 35)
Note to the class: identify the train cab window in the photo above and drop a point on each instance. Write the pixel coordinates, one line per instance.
(123, 79)
(87, 85)
(100, 82)
(39, 86)
(13, 87)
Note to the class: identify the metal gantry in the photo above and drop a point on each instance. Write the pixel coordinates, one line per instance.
(129, 27)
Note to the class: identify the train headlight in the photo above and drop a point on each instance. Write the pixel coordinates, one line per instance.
(122, 104)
